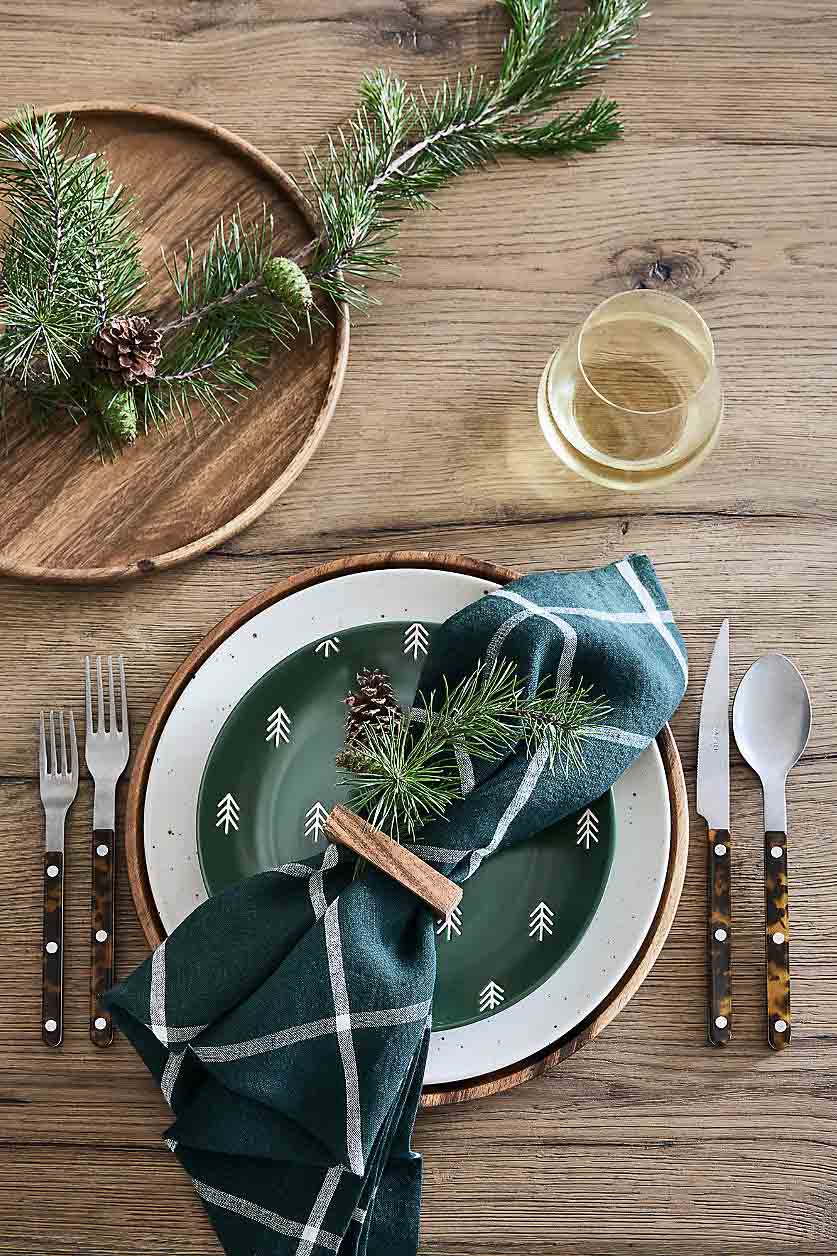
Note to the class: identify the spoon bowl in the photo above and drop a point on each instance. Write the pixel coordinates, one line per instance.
(771, 718)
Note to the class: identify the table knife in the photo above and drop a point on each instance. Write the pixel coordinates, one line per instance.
(713, 805)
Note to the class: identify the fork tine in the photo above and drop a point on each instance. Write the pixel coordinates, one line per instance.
(64, 768)
(111, 698)
(73, 750)
(124, 727)
(100, 698)
(42, 756)
(52, 751)
(88, 700)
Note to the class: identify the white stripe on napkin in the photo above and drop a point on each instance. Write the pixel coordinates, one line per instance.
(628, 574)
(340, 995)
(254, 1212)
(313, 1229)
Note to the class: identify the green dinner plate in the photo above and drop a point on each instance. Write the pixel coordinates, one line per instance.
(270, 780)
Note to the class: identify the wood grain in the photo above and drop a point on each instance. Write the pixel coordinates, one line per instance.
(434, 890)
(71, 516)
(648, 1142)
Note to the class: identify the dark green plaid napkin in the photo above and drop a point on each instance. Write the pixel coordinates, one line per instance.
(287, 1020)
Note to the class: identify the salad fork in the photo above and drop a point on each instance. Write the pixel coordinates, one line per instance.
(106, 750)
(59, 786)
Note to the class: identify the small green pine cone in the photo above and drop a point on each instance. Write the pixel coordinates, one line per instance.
(117, 413)
(288, 282)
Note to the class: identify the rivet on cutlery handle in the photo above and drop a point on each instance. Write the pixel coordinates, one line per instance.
(52, 1003)
(101, 934)
(719, 941)
(777, 951)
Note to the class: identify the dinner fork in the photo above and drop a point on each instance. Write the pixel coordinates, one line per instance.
(106, 751)
(59, 786)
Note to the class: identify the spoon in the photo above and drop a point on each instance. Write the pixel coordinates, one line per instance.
(771, 719)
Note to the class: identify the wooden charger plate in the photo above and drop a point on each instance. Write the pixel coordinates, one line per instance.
(642, 962)
(68, 516)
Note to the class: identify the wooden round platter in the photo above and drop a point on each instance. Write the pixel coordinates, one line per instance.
(67, 515)
(643, 961)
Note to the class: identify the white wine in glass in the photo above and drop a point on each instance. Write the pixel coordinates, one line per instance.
(633, 398)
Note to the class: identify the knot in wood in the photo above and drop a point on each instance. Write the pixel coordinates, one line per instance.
(683, 267)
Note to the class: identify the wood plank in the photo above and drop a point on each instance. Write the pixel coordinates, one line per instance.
(716, 72)
(773, 577)
(559, 1204)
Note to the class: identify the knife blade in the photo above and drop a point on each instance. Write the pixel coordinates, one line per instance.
(713, 805)
(713, 737)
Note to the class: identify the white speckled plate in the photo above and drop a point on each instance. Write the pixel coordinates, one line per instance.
(316, 614)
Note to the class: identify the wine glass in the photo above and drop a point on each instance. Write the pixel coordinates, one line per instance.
(633, 398)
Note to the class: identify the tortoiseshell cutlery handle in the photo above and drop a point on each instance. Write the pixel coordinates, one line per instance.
(52, 1001)
(101, 934)
(777, 951)
(719, 940)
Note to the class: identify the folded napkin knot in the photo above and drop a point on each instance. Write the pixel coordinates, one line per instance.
(287, 1020)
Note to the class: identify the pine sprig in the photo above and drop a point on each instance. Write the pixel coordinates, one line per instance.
(225, 326)
(401, 147)
(401, 780)
(208, 369)
(477, 716)
(115, 251)
(403, 773)
(557, 720)
(70, 251)
(576, 131)
(229, 271)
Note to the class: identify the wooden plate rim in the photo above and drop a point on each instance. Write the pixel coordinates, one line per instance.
(172, 558)
(641, 965)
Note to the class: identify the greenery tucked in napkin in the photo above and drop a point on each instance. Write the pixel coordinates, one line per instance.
(287, 1020)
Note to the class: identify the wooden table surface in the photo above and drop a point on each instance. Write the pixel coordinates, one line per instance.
(724, 191)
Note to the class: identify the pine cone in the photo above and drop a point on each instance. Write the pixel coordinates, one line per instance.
(117, 413)
(128, 349)
(372, 702)
(288, 281)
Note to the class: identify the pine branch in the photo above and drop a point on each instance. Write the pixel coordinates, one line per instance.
(400, 147)
(200, 368)
(404, 772)
(71, 258)
(477, 716)
(558, 719)
(229, 271)
(362, 184)
(208, 368)
(578, 131)
(401, 780)
(115, 251)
